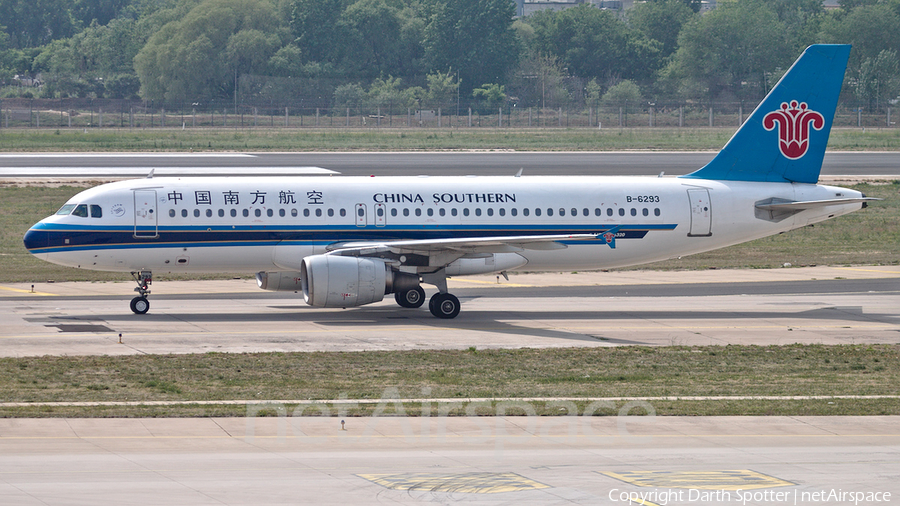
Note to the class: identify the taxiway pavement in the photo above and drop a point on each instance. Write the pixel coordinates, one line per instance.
(825, 305)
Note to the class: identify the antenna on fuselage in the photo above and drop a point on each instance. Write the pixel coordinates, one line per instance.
(150, 175)
(519, 174)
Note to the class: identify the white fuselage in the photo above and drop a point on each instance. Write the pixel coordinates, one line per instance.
(248, 224)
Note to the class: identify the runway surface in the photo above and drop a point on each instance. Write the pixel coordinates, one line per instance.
(827, 305)
(120, 165)
(474, 460)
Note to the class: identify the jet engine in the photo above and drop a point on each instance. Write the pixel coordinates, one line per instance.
(345, 281)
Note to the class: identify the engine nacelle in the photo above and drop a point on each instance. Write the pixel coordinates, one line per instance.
(342, 281)
(288, 281)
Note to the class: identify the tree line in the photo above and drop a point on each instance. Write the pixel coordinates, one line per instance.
(433, 53)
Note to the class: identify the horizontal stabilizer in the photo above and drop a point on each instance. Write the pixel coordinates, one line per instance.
(791, 205)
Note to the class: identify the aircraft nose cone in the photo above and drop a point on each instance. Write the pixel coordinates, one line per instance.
(36, 239)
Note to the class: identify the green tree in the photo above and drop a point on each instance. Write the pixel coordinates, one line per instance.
(731, 50)
(661, 21)
(879, 79)
(475, 38)
(592, 92)
(32, 23)
(101, 11)
(287, 61)
(491, 96)
(442, 88)
(196, 57)
(316, 27)
(594, 43)
(623, 93)
(870, 28)
(372, 29)
(349, 95)
(249, 51)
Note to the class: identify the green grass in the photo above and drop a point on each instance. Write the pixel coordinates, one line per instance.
(794, 370)
(870, 236)
(406, 139)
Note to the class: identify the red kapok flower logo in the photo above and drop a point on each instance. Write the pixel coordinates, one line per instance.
(793, 122)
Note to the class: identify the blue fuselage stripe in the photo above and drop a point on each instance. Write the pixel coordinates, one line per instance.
(44, 238)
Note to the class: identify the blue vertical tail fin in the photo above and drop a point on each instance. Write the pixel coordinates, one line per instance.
(784, 139)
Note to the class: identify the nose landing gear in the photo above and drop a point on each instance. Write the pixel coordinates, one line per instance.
(140, 304)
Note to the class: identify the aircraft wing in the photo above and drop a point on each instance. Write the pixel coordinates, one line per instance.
(467, 245)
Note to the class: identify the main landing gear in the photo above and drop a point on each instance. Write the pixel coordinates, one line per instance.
(442, 304)
(140, 304)
(412, 298)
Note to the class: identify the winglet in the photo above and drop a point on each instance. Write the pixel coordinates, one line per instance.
(784, 139)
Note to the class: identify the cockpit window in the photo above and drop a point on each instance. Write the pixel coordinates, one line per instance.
(96, 211)
(81, 210)
(65, 210)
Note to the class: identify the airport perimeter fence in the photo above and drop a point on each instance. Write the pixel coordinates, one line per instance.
(131, 114)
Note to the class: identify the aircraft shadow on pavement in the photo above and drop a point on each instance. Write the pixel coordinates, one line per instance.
(505, 322)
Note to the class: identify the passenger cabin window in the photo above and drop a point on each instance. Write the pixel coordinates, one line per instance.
(81, 210)
(209, 213)
(221, 213)
(96, 212)
(184, 213)
(171, 213)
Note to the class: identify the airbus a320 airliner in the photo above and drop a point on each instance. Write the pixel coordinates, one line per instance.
(349, 241)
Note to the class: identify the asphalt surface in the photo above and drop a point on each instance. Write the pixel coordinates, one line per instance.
(565, 460)
(850, 164)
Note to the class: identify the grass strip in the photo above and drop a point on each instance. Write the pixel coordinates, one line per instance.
(407, 139)
(621, 372)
